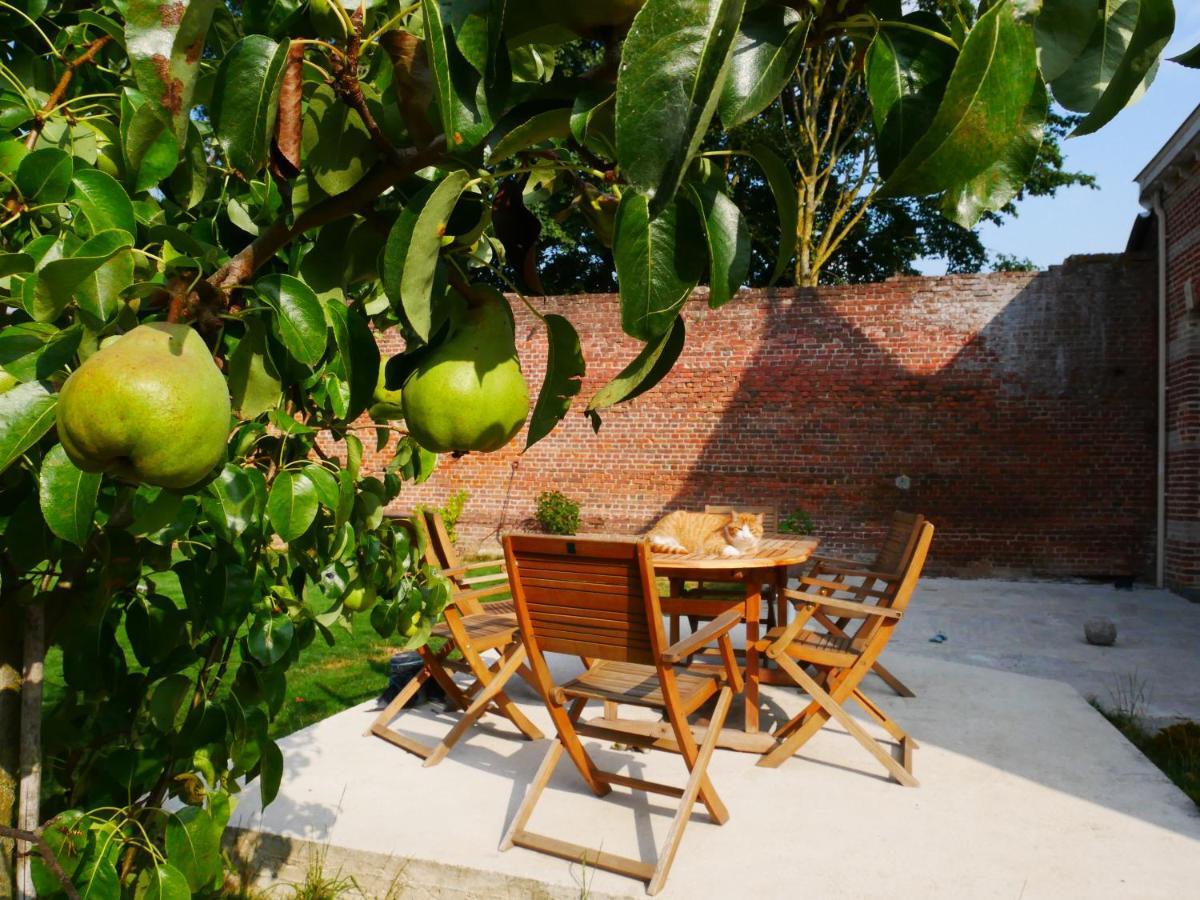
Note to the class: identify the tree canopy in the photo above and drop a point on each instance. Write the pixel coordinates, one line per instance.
(289, 179)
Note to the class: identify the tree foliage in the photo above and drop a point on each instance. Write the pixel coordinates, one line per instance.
(291, 178)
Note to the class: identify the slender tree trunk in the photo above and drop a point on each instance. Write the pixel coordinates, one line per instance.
(10, 741)
(29, 817)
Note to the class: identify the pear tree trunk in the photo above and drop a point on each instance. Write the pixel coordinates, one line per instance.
(29, 815)
(10, 731)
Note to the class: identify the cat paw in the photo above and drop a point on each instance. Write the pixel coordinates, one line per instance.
(731, 551)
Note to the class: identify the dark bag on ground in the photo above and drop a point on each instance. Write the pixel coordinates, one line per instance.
(402, 669)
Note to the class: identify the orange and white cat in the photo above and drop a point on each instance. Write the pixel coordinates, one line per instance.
(723, 534)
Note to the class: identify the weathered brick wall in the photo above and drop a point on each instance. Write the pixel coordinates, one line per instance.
(1015, 410)
(1183, 386)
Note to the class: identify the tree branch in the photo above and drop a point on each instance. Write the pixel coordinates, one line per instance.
(64, 82)
(279, 234)
(12, 202)
(48, 857)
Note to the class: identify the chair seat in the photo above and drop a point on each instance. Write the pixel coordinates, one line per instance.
(814, 646)
(485, 629)
(638, 685)
(505, 607)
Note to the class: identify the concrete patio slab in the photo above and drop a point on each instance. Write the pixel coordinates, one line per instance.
(1036, 628)
(1025, 792)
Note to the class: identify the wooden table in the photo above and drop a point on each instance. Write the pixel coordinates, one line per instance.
(767, 565)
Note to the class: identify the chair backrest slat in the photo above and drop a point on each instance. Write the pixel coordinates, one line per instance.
(769, 513)
(898, 545)
(585, 597)
(898, 593)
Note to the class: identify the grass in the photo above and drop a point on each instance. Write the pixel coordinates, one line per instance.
(1174, 749)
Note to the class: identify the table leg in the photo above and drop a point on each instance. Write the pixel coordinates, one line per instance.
(781, 602)
(676, 591)
(753, 611)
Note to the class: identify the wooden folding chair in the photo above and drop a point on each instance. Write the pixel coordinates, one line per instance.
(887, 566)
(842, 662)
(479, 585)
(597, 599)
(471, 628)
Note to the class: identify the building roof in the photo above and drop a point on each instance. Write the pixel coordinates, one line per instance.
(1181, 150)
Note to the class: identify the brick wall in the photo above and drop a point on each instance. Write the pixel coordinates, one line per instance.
(1017, 411)
(1182, 209)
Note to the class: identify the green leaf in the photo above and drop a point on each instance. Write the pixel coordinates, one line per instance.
(269, 638)
(161, 881)
(253, 382)
(168, 702)
(565, 369)
(907, 72)
(245, 101)
(292, 504)
(550, 125)
(1003, 180)
(1138, 65)
(34, 350)
(673, 67)
(15, 264)
(193, 845)
(67, 835)
(67, 496)
(45, 175)
(337, 147)
(779, 179)
(151, 151)
(1062, 30)
(155, 626)
(657, 263)
(728, 241)
(982, 108)
(647, 369)
(299, 317)
(190, 179)
(164, 39)
(410, 256)
(356, 360)
(229, 501)
(326, 484)
(765, 54)
(58, 280)
(593, 119)
(102, 201)
(465, 119)
(26, 413)
(270, 772)
(1189, 58)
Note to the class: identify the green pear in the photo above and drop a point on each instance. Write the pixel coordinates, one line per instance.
(469, 394)
(387, 406)
(360, 597)
(150, 408)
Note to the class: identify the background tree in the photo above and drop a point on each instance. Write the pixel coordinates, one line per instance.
(255, 190)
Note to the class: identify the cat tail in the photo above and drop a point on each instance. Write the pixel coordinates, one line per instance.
(658, 545)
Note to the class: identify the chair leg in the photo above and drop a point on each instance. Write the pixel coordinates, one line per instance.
(686, 742)
(699, 775)
(785, 749)
(892, 681)
(540, 780)
(485, 674)
(492, 688)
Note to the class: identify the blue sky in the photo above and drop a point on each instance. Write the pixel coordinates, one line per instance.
(1079, 220)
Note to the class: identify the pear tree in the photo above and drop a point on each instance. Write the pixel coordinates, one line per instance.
(211, 211)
